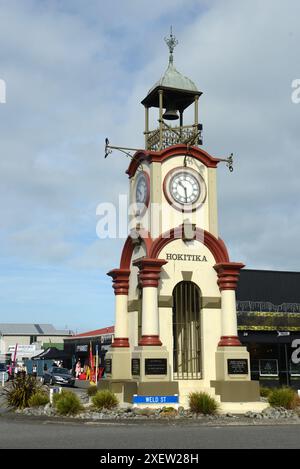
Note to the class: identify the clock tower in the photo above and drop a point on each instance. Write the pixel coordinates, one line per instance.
(175, 308)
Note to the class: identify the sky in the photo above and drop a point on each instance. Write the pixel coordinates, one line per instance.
(75, 73)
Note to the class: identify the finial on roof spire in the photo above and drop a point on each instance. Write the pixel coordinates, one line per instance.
(171, 42)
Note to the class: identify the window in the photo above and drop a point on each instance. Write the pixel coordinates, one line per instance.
(33, 338)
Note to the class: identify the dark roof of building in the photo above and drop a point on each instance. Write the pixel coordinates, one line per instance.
(276, 287)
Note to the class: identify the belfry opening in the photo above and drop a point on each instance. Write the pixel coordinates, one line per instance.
(187, 331)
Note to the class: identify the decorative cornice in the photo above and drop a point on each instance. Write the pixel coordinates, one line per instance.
(228, 274)
(150, 340)
(120, 280)
(175, 150)
(120, 342)
(216, 246)
(229, 341)
(130, 245)
(150, 268)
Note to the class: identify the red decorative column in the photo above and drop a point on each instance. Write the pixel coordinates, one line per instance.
(149, 277)
(121, 286)
(228, 275)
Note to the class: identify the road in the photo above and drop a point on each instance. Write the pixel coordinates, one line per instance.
(30, 433)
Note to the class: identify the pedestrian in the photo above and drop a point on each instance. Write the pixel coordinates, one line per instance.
(34, 370)
(78, 369)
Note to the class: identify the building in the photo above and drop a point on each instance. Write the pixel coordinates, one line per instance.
(30, 339)
(268, 313)
(175, 287)
(78, 346)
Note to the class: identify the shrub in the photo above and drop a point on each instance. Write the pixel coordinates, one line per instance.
(67, 403)
(168, 412)
(283, 397)
(92, 390)
(20, 390)
(203, 403)
(39, 398)
(168, 409)
(264, 391)
(105, 400)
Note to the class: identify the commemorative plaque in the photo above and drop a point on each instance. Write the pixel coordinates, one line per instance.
(155, 366)
(237, 366)
(108, 365)
(135, 367)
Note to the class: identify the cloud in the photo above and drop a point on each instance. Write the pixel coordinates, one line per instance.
(75, 75)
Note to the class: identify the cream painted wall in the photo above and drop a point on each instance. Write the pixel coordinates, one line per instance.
(210, 336)
(166, 331)
(203, 273)
(161, 216)
(139, 251)
(133, 328)
(172, 217)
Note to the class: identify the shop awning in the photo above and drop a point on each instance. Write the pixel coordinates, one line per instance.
(51, 353)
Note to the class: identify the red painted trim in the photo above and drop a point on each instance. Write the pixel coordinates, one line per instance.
(95, 333)
(120, 280)
(129, 247)
(150, 340)
(228, 274)
(149, 274)
(229, 341)
(177, 205)
(120, 342)
(174, 150)
(216, 246)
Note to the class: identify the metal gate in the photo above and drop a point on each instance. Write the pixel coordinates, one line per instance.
(186, 331)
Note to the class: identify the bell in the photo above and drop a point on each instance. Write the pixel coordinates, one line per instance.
(170, 115)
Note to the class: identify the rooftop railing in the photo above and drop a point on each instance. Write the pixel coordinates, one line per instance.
(166, 136)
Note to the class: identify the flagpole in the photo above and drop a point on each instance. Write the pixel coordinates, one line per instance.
(97, 363)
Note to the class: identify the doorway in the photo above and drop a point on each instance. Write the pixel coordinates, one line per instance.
(187, 331)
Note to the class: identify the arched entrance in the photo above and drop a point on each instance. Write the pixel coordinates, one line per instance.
(187, 331)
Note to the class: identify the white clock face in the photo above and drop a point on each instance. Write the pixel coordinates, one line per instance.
(141, 192)
(185, 188)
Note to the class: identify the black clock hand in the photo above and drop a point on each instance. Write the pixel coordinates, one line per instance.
(185, 191)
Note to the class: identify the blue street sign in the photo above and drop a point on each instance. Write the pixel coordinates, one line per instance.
(155, 399)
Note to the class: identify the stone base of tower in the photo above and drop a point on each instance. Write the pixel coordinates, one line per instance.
(150, 364)
(234, 397)
(118, 363)
(125, 390)
(233, 382)
(232, 364)
(237, 391)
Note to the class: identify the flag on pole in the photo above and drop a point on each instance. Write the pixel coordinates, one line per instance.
(15, 356)
(97, 364)
(91, 364)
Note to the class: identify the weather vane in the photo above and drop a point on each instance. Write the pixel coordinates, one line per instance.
(171, 42)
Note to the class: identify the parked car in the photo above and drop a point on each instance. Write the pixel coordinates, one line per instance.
(57, 375)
